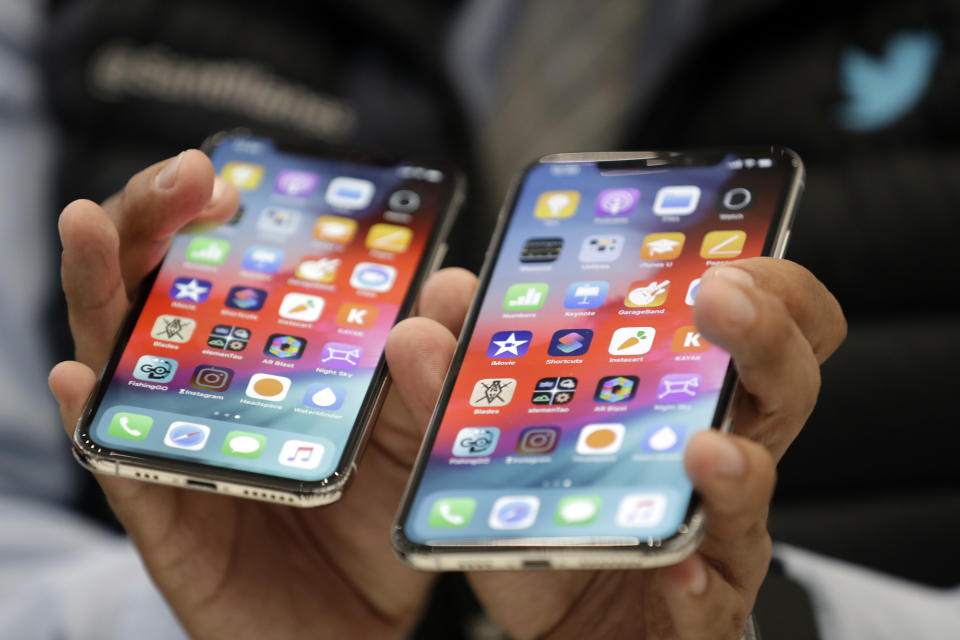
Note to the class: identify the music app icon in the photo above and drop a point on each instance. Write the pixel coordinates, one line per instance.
(301, 454)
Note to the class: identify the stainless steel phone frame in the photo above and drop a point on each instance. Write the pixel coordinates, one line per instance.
(543, 553)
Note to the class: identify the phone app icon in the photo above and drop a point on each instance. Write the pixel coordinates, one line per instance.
(525, 296)
(246, 298)
(662, 246)
(473, 442)
(601, 248)
(404, 201)
(578, 509)
(663, 439)
(389, 237)
(644, 293)
(641, 510)
(301, 454)
(228, 337)
(722, 245)
(130, 426)
(190, 289)
(325, 396)
(567, 343)
(600, 439)
(187, 435)
(155, 369)
(631, 341)
(173, 329)
(207, 250)
(554, 390)
(370, 276)
(688, 340)
(356, 315)
(509, 344)
(340, 355)
(262, 259)
(679, 387)
(514, 512)
(245, 176)
(318, 269)
(211, 378)
(493, 392)
(266, 386)
(538, 441)
(244, 444)
(335, 229)
(586, 295)
(736, 199)
(614, 389)
(296, 183)
(691, 296)
(556, 204)
(451, 513)
(616, 203)
(349, 193)
(676, 201)
(278, 220)
(301, 306)
(541, 250)
(285, 347)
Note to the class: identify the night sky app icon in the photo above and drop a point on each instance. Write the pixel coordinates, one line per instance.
(567, 343)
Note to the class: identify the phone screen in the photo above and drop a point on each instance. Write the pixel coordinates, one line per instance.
(260, 341)
(584, 376)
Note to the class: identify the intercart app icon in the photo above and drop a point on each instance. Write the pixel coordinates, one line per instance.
(631, 341)
(509, 344)
(155, 369)
(190, 289)
(296, 183)
(472, 442)
(616, 203)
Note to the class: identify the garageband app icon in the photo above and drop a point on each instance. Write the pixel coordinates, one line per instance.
(601, 248)
(246, 298)
(662, 246)
(567, 343)
(245, 176)
(318, 269)
(647, 293)
(538, 441)
(277, 220)
(679, 387)
(211, 378)
(301, 454)
(296, 183)
(540, 250)
(509, 344)
(631, 341)
(613, 389)
(586, 295)
(190, 289)
(340, 355)
(228, 337)
(285, 347)
(554, 390)
(493, 392)
(155, 369)
(473, 442)
(173, 329)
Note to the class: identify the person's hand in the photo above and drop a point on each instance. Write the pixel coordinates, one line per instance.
(235, 568)
(779, 323)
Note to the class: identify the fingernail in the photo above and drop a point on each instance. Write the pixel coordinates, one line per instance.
(167, 177)
(729, 459)
(219, 186)
(738, 308)
(735, 275)
(698, 581)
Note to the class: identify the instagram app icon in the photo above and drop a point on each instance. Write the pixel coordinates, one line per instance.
(538, 440)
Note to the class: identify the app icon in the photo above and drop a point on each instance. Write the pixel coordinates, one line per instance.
(554, 390)
(246, 298)
(340, 355)
(541, 250)
(371, 276)
(631, 341)
(641, 510)
(301, 306)
(679, 387)
(688, 340)
(452, 513)
(356, 315)
(663, 439)
(335, 229)
(228, 338)
(325, 396)
(525, 296)
(190, 289)
(296, 183)
(538, 441)
(130, 426)
(389, 237)
(509, 344)
(155, 369)
(616, 203)
(277, 220)
(280, 345)
(600, 439)
(187, 435)
(676, 201)
(578, 509)
(349, 193)
(556, 204)
(736, 199)
(586, 295)
(266, 386)
(244, 444)
(493, 392)
(262, 259)
(613, 389)
(211, 378)
(173, 329)
(245, 176)
(597, 248)
(318, 269)
(476, 441)
(722, 245)
(237, 216)
(662, 246)
(514, 512)
(647, 294)
(207, 250)
(567, 343)
(404, 201)
(691, 296)
(301, 454)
